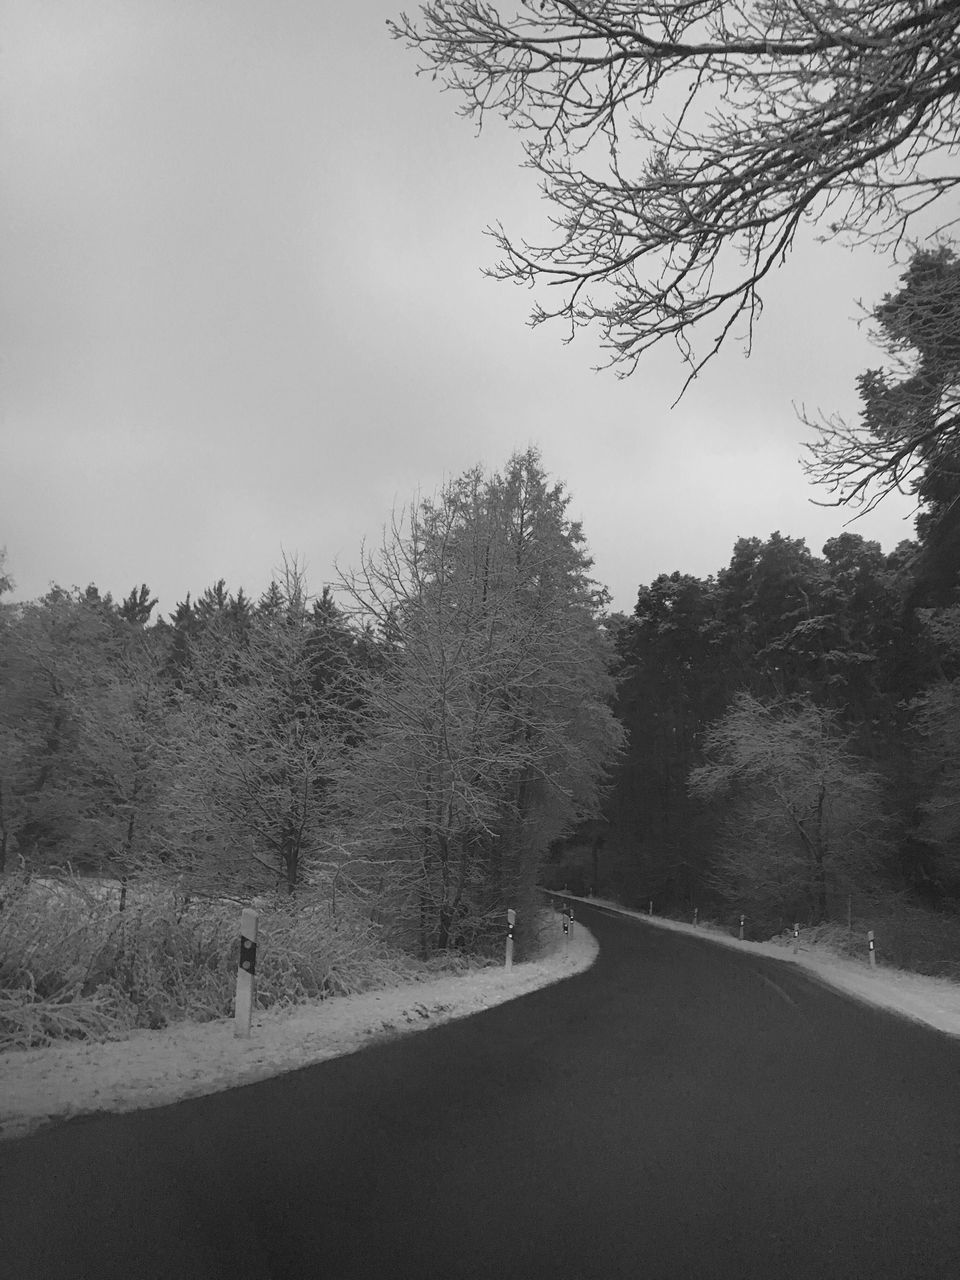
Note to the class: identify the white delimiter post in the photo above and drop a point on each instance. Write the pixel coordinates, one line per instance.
(246, 972)
(511, 921)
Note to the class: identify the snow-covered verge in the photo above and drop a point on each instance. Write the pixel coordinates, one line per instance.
(152, 1068)
(934, 1001)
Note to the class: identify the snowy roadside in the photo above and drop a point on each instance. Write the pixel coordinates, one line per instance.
(934, 1001)
(152, 1068)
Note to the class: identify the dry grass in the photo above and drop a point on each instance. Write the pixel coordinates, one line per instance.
(905, 936)
(74, 966)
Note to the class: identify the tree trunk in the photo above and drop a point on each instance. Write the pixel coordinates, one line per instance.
(818, 854)
(290, 857)
(131, 830)
(595, 848)
(821, 886)
(444, 926)
(3, 834)
(424, 932)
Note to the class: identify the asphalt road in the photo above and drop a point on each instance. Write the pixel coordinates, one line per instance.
(680, 1110)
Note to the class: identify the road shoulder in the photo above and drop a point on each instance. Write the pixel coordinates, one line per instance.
(154, 1068)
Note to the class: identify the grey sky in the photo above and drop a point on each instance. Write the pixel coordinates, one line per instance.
(242, 310)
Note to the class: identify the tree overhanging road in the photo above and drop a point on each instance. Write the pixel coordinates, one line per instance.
(679, 1110)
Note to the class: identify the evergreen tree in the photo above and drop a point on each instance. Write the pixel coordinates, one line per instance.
(778, 623)
(257, 743)
(908, 433)
(138, 606)
(673, 672)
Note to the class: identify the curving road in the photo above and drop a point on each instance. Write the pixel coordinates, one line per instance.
(680, 1110)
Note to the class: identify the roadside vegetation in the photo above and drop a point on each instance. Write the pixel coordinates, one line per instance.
(396, 763)
(382, 771)
(389, 766)
(792, 719)
(793, 746)
(73, 965)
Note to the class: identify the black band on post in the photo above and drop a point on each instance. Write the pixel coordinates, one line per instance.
(248, 955)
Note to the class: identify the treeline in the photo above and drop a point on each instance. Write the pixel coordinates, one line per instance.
(417, 741)
(781, 738)
(790, 738)
(794, 720)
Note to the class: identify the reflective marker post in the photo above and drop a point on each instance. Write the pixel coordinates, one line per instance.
(873, 953)
(741, 928)
(246, 972)
(696, 916)
(650, 912)
(571, 919)
(566, 924)
(511, 921)
(796, 938)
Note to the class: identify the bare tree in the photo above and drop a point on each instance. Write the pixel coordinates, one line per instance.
(682, 145)
(802, 818)
(487, 732)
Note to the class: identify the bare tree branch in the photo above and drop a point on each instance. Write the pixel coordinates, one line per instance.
(683, 146)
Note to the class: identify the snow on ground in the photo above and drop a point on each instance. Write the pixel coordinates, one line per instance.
(152, 1068)
(934, 1001)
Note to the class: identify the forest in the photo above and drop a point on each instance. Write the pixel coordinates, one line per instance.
(792, 739)
(394, 762)
(792, 720)
(388, 763)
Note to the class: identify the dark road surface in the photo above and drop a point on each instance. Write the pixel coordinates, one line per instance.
(680, 1110)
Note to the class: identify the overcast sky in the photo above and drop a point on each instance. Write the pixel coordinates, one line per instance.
(242, 310)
